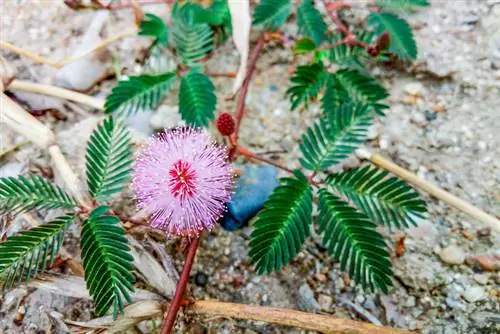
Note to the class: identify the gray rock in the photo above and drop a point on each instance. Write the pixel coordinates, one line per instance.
(166, 117)
(306, 301)
(494, 45)
(474, 294)
(484, 319)
(452, 255)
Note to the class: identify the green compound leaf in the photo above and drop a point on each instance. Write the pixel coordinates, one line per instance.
(401, 5)
(350, 57)
(197, 99)
(282, 226)
(191, 38)
(272, 14)
(21, 194)
(310, 22)
(307, 82)
(403, 42)
(351, 86)
(351, 239)
(335, 136)
(108, 159)
(381, 197)
(138, 93)
(107, 261)
(153, 26)
(25, 254)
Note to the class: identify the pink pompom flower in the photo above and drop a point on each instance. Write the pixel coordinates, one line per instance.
(182, 181)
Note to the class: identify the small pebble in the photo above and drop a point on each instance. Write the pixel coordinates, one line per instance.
(487, 262)
(484, 232)
(481, 278)
(414, 89)
(325, 302)
(474, 294)
(430, 115)
(452, 255)
(200, 279)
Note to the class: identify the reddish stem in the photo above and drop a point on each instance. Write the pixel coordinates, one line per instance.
(171, 313)
(350, 39)
(246, 153)
(240, 106)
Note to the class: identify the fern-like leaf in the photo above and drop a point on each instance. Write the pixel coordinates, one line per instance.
(272, 14)
(154, 26)
(192, 40)
(107, 261)
(282, 226)
(385, 199)
(21, 194)
(403, 42)
(310, 22)
(24, 255)
(401, 5)
(197, 99)
(307, 82)
(349, 85)
(352, 240)
(108, 159)
(335, 136)
(350, 57)
(137, 93)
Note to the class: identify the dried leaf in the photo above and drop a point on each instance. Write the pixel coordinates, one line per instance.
(72, 286)
(151, 270)
(241, 21)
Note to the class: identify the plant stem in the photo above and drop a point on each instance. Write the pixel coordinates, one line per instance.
(246, 153)
(240, 106)
(350, 39)
(171, 313)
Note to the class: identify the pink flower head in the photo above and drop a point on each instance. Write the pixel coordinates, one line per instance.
(182, 180)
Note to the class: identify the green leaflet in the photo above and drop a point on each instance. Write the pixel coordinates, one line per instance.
(21, 194)
(282, 226)
(197, 99)
(108, 159)
(401, 5)
(346, 86)
(138, 93)
(107, 261)
(352, 240)
(335, 136)
(22, 255)
(154, 26)
(310, 22)
(385, 199)
(307, 82)
(403, 43)
(272, 14)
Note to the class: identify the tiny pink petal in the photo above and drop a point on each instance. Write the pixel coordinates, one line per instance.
(182, 181)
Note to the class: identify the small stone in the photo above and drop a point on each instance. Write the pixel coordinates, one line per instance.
(438, 108)
(411, 301)
(452, 255)
(430, 115)
(306, 301)
(414, 89)
(481, 278)
(419, 119)
(454, 304)
(487, 262)
(360, 299)
(200, 279)
(410, 100)
(321, 277)
(484, 232)
(325, 302)
(474, 294)
(493, 293)
(467, 235)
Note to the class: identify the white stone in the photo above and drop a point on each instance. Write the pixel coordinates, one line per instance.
(474, 294)
(452, 255)
(414, 89)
